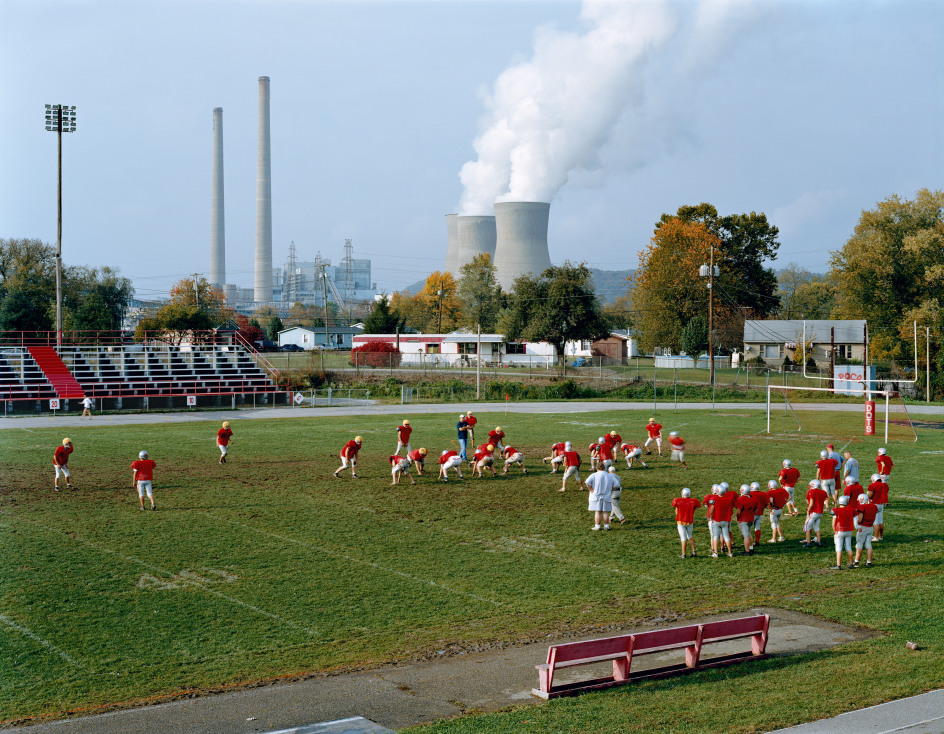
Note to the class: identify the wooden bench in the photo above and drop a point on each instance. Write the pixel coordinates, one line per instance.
(621, 650)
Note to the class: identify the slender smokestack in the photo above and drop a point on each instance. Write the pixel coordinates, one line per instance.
(521, 247)
(475, 235)
(217, 229)
(263, 277)
(452, 245)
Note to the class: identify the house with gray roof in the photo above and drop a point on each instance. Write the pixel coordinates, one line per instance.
(775, 339)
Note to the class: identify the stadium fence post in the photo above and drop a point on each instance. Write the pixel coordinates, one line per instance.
(768, 402)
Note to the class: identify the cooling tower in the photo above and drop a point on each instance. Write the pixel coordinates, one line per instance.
(217, 230)
(262, 292)
(521, 245)
(452, 246)
(474, 235)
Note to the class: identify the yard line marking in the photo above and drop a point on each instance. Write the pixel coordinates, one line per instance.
(909, 517)
(48, 645)
(192, 582)
(346, 557)
(939, 501)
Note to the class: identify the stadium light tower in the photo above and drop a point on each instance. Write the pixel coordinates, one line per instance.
(710, 270)
(59, 119)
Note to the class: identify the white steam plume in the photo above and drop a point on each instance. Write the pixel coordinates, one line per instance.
(550, 116)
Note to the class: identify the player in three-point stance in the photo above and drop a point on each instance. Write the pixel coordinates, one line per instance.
(449, 460)
(484, 459)
(400, 467)
(223, 437)
(685, 507)
(142, 476)
(495, 437)
(655, 434)
(513, 456)
(418, 457)
(632, 453)
(557, 456)
(60, 460)
(349, 457)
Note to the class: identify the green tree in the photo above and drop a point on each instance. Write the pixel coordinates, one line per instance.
(95, 299)
(479, 293)
(194, 306)
(556, 307)
(273, 328)
(804, 295)
(27, 285)
(694, 338)
(381, 320)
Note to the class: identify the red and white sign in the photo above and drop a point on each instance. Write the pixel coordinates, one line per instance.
(848, 379)
(299, 398)
(54, 403)
(191, 400)
(869, 417)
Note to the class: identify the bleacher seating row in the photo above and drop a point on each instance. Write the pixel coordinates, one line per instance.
(136, 371)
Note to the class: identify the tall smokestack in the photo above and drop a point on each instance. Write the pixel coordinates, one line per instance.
(475, 236)
(452, 245)
(521, 246)
(263, 276)
(217, 228)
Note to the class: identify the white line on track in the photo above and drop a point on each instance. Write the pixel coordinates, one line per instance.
(192, 582)
(346, 557)
(48, 645)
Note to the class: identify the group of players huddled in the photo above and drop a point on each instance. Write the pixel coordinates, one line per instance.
(855, 510)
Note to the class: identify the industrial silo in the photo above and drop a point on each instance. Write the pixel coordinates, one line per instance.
(475, 235)
(521, 240)
(452, 245)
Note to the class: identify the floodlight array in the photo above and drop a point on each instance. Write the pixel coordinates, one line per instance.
(67, 120)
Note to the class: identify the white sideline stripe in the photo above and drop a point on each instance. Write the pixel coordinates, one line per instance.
(909, 517)
(48, 645)
(936, 500)
(192, 582)
(346, 557)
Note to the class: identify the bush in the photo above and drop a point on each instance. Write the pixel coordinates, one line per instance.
(376, 353)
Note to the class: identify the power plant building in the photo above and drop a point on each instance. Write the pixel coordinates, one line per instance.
(521, 240)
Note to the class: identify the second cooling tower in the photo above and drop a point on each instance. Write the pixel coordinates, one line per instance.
(521, 240)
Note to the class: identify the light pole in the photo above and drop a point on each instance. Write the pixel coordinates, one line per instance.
(710, 271)
(59, 119)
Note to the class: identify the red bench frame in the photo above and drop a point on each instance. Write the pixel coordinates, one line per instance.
(623, 648)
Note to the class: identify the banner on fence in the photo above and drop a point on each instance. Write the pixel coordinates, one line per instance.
(849, 378)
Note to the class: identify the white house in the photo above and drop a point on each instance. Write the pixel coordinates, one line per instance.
(306, 337)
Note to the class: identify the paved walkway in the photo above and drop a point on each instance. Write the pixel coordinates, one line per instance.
(124, 419)
(922, 714)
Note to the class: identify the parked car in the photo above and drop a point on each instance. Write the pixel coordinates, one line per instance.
(290, 348)
(264, 345)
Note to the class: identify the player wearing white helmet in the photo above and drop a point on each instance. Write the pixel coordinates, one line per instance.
(685, 507)
(710, 509)
(571, 461)
(884, 464)
(655, 434)
(449, 460)
(843, 516)
(777, 498)
(678, 448)
(760, 505)
(722, 506)
(400, 467)
(878, 492)
(827, 469)
(513, 456)
(594, 449)
(867, 512)
(816, 500)
(632, 453)
(744, 506)
(605, 456)
(788, 477)
(142, 475)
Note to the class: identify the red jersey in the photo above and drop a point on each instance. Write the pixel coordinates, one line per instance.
(628, 448)
(723, 505)
(879, 492)
(223, 436)
(654, 429)
(446, 456)
(854, 503)
(867, 514)
(745, 505)
(827, 468)
(843, 519)
(61, 454)
(760, 501)
(778, 498)
(484, 449)
(816, 500)
(571, 458)
(594, 449)
(557, 449)
(884, 463)
(495, 437)
(685, 509)
(606, 452)
(480, 454)
(853, 490)
(612, 440)
(395, 459)
(789, 477)
(415, 455)
(404, 434)
(350, 450)
(144, 469)
(471, 420)
(678, 443)
(709, 505)
(509, 451)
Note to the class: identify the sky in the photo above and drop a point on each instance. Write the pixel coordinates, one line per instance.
(386, 116)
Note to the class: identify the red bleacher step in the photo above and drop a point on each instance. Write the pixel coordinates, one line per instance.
(62, 381)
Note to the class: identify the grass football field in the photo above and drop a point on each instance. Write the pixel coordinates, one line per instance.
(268, 567)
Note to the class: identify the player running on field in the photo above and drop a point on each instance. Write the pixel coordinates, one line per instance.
(60, 460)
(142, 476)
(349, 457)
(571, 466)
(403, 437)
(418, 457)
(655, 434)
(788, 477)
(223, 437)
(557, 456)
(400, 467)
(449, 460)
(685, 507)
(484, 459)
(632, 453)
(816, 501)
(678, 448)
(513, 456)
(878, 492)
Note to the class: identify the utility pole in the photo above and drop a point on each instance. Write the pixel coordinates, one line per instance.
(927, 356)
(478, 363)
(59, 119)
(196, 289)
(440, 294)
(324, 287)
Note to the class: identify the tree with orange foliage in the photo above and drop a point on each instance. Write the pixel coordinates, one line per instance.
(194, 306)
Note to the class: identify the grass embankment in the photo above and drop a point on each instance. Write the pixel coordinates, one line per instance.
(268, 567)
